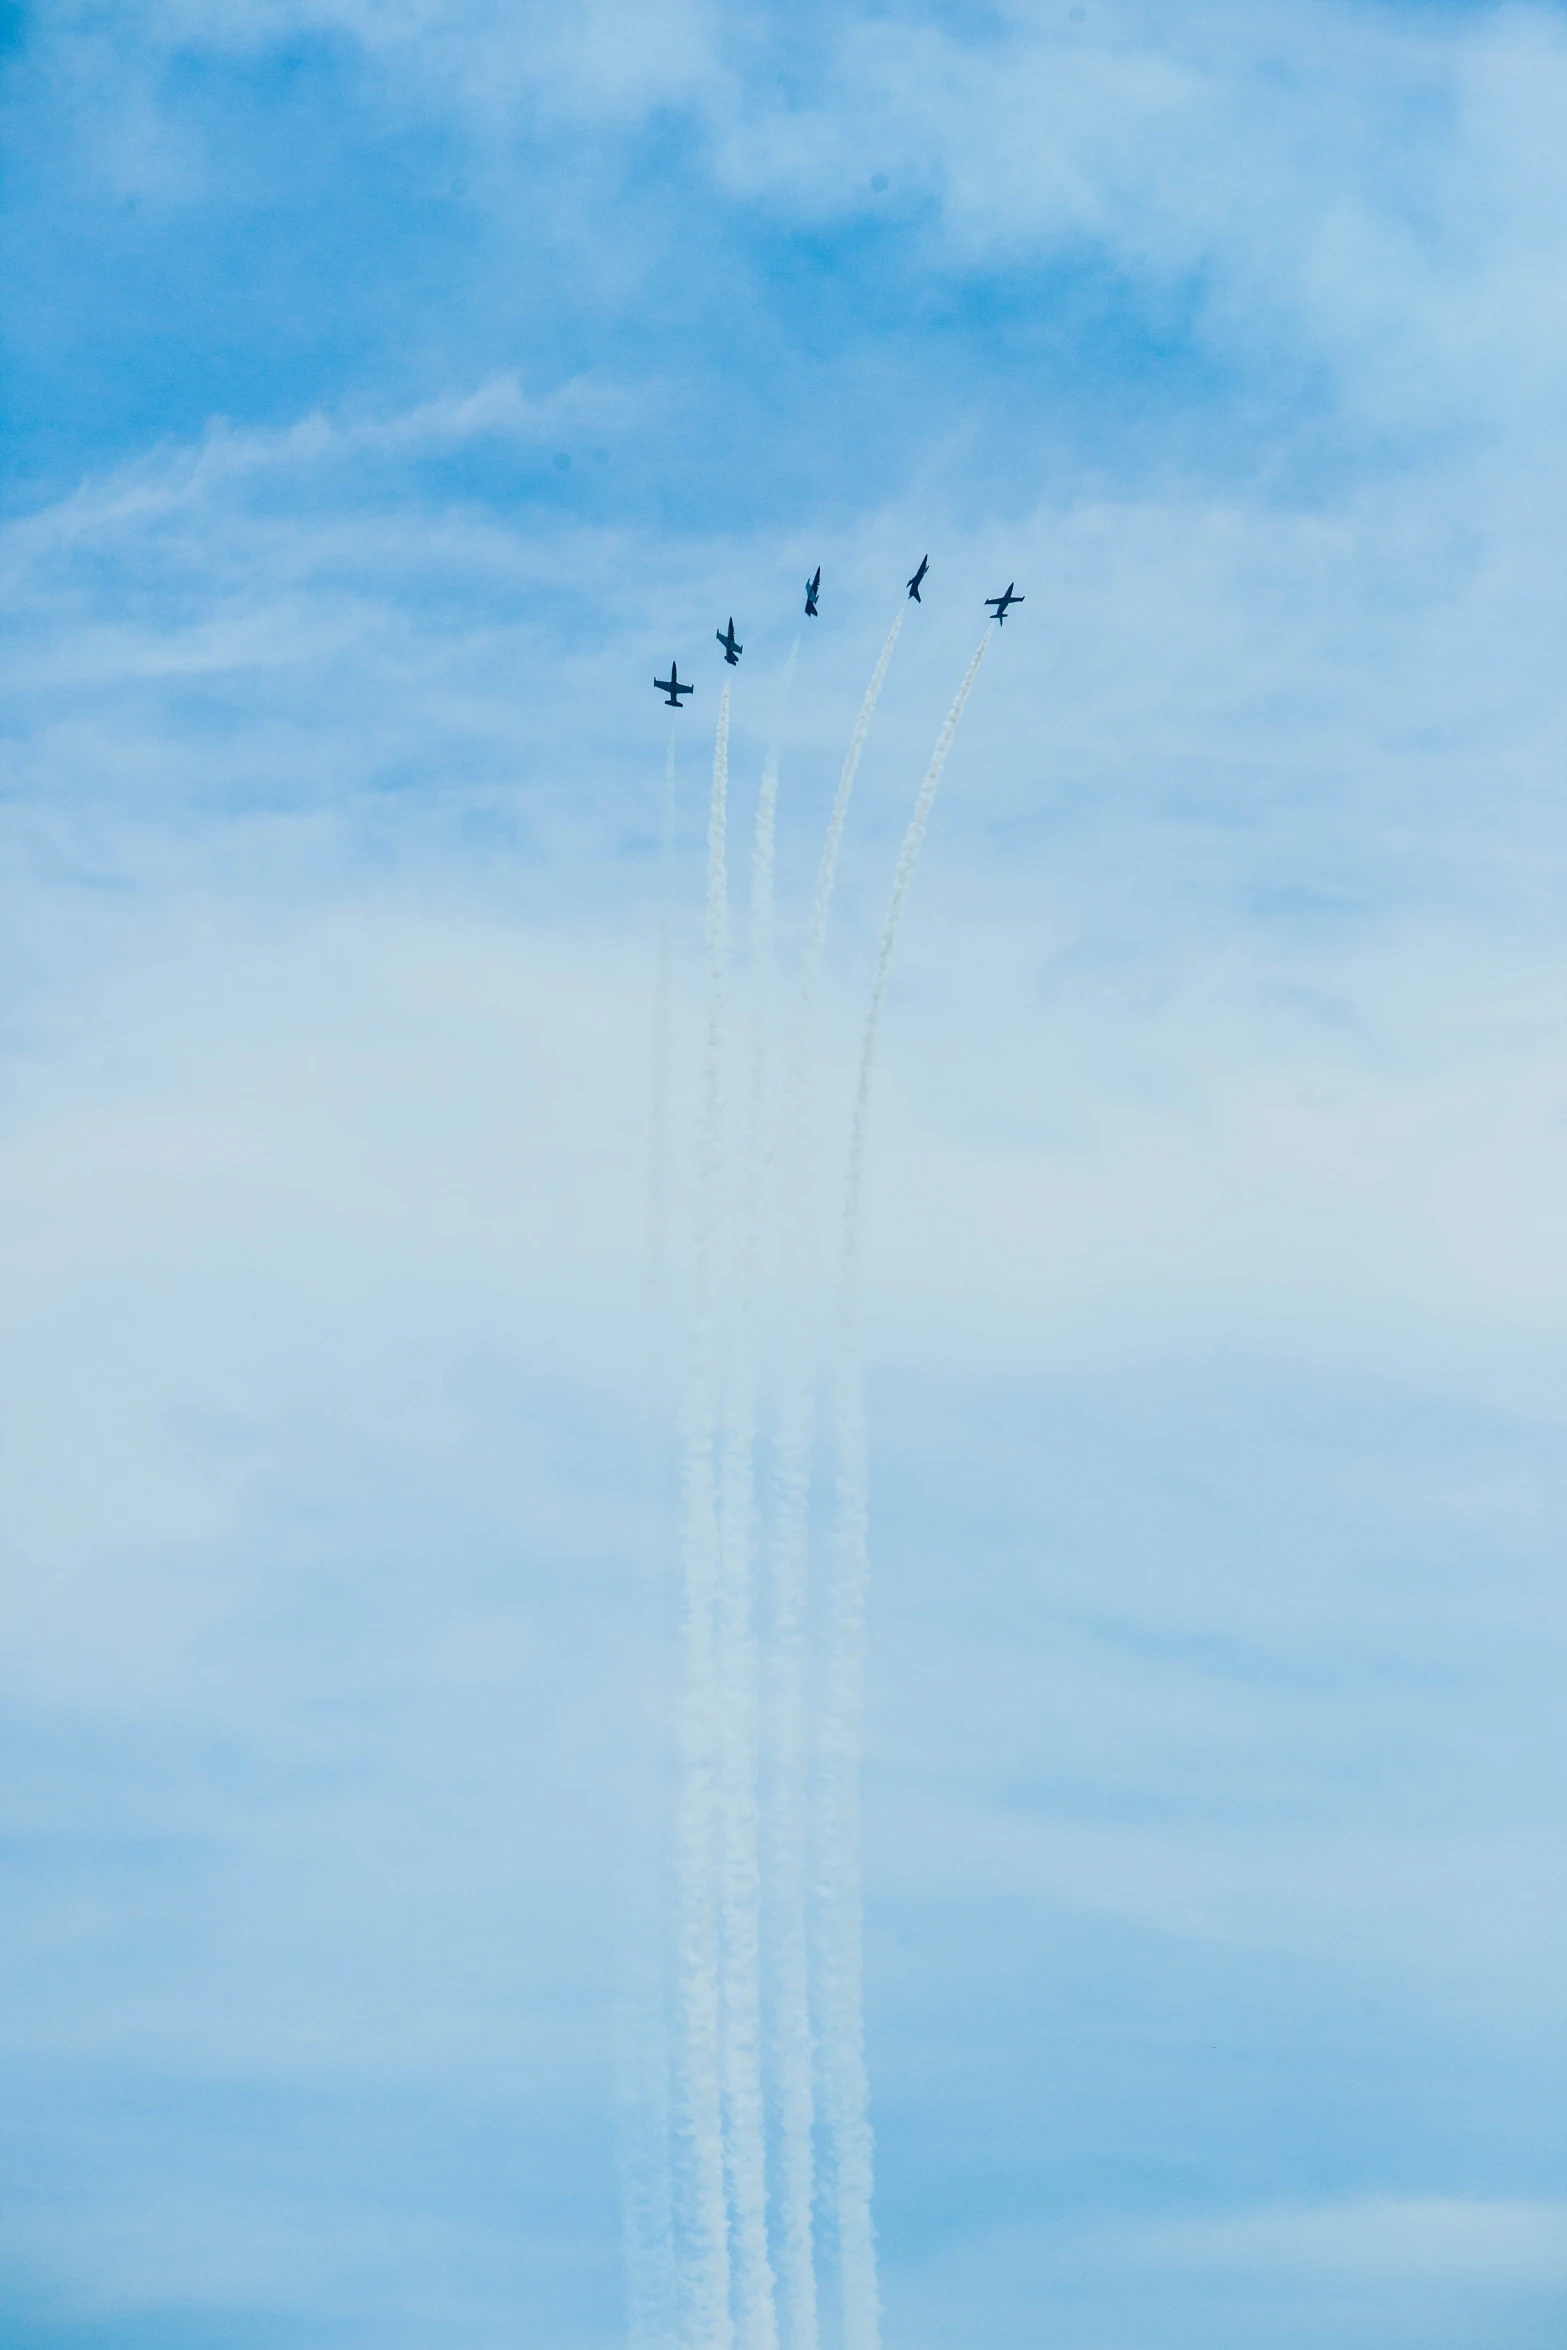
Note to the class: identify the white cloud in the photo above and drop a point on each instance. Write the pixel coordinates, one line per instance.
(491, 59)
(1221, 1032)
(1381, 2270)
(1371, 196)
(1203, 969)
(1363, 199)
(1428, 2239)
(168, 481)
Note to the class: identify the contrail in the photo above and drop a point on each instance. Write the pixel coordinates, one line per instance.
(658, 1150)
(789, 1561)
(827, 870)
(739, 1665)
(903, 874)
(642, 2043)
(839, 1948)
(704, 2237)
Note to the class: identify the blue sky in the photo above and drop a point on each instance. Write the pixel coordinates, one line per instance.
(386, 385)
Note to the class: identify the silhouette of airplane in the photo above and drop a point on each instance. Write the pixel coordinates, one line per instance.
(811, 587)
(1001, 605)
(671, 688)
(914, 583)
(732, 651)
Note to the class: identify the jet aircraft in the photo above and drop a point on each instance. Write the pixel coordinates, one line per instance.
(811, 588)
(671, 688)
(732, 651)
(1000, 605)
(914, 583)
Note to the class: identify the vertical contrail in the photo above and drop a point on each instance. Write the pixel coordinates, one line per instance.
(839, 1951)
(788, 1824)
(739, 1664)
(642, 2044)
(658, 1148)
(704, 2236)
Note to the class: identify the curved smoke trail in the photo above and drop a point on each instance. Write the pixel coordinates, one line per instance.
(839, 1961)
(642, 2043)
(789, 1580)
(739, 1664)
(704, 2243)
(827, 870)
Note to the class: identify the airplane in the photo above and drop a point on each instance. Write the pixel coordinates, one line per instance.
(671, 687)
(914, 583)
(811, 587)
(1000, 604)
(732, 651)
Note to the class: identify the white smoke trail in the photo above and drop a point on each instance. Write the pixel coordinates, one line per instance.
(704, 2237)
(840, 1967)
(658, 1166)
(903, 874)
(827, 870)
(739, 1667)
(642, 2042)
(789, 1580)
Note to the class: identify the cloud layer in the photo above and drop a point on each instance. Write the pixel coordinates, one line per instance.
(392, 390)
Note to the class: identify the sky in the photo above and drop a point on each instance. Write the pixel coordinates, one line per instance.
(386, 388)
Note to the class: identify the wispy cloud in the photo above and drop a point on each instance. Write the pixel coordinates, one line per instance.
(1213, 1255)
(1424, 2240)
(170, 480)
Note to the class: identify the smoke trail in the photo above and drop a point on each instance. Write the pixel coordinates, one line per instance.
(739, 1668)
(658, 1162)
(903, 874)
(788, 1823)
(761, 961)
(704, 2237)
(642, 2044)
(827, 870)
(840, 1962)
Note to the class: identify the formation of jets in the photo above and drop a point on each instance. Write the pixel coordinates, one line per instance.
(672, 688)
